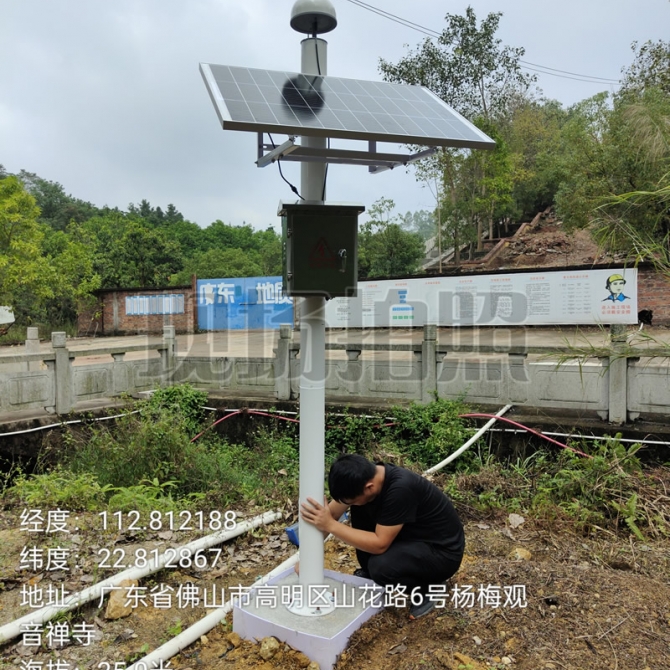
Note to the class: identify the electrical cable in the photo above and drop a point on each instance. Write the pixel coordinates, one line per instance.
(325, 172)
(601, 438)
(66, 423)
(479, 415)
(293, 188)
(433, 33)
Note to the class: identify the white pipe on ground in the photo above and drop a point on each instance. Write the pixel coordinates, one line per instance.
(202, 627)
(13, 629)
(469, 443)
(194, 632)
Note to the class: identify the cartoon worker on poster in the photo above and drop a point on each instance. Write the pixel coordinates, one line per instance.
(614, 285)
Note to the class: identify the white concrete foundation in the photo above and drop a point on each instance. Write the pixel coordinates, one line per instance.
(320, 638)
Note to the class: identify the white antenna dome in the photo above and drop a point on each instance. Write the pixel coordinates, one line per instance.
(313, 17)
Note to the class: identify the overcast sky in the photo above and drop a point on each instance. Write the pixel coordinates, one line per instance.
(106, 97)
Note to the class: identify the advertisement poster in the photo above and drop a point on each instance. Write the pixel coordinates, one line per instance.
(557, 297)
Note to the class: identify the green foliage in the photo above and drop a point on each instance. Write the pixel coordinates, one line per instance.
(385, 249)
(532, 132)
(351, 434)
(650, 68)
(428, 433)
(153, 443)
(589, 489)
(59, 489)
(232, 251)
(183, 400)
(145, 497)
(215, 263)
(609, 490)
(57, 209)
(25, 276)
(466, 66)
(630, 514)
(148, 458)
(422, 222)
(615, 164)
(470, 70)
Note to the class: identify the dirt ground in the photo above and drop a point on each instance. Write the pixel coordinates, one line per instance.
(547, 244)
(597, 602)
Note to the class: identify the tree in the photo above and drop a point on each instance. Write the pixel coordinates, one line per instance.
(385, 249)
(481, 78)
(466, 66)
(74, 277)
(421, 222)
(613, 149)
(533, 136)
(25, 275)
(649, 69)
(217, 263)
(57, 208)
(484, 184)
(127, 253)
(638, 221)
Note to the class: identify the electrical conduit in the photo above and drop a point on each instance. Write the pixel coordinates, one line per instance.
(469, 443)
(194, 632)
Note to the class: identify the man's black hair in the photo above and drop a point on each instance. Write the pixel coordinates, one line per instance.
(348, 476)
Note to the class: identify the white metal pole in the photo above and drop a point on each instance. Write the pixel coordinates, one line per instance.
(312, 359)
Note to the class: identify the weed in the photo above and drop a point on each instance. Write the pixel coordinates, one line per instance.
(630, 514)
(181, 399)
(351, 434)
(137, 655)
(175, 629)
(428, 433)
(59, 488)
(144, 497)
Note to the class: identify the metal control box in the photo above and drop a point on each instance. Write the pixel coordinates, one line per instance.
(320, 248)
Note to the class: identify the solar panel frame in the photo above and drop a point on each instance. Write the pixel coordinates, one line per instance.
(291, 103)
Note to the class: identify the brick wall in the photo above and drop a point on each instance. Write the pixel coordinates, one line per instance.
(653, 292)
(109, 316)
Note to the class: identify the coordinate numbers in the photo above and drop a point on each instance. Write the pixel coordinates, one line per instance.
(184, 520)
(175, 558)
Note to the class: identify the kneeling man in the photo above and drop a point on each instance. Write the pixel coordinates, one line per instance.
(405, 530)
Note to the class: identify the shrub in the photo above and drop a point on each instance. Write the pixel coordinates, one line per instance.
(429, 433)
(59, 489)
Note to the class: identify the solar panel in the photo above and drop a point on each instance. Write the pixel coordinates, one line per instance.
(303, 104)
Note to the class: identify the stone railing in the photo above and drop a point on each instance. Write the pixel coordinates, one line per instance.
(615, 382)
(49, 380)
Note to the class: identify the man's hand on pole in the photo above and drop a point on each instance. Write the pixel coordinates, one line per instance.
(318, 515)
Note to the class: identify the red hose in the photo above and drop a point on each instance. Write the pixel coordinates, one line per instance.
(223, 418)
(462, 416)
(243, 411)
(520, 425)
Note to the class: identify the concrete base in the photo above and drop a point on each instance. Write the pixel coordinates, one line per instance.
(320, 638)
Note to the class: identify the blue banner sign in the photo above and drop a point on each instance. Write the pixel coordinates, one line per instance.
(251, 303)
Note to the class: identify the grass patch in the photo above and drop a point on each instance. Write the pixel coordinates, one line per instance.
(147, 461)
(59, 489)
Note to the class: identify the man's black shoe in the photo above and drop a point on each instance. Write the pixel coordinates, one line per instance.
(417, 611)
(363, 574)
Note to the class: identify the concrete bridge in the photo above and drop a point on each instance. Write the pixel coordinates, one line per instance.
(613, 376)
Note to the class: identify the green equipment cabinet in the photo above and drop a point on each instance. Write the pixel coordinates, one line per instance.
(320, 248)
